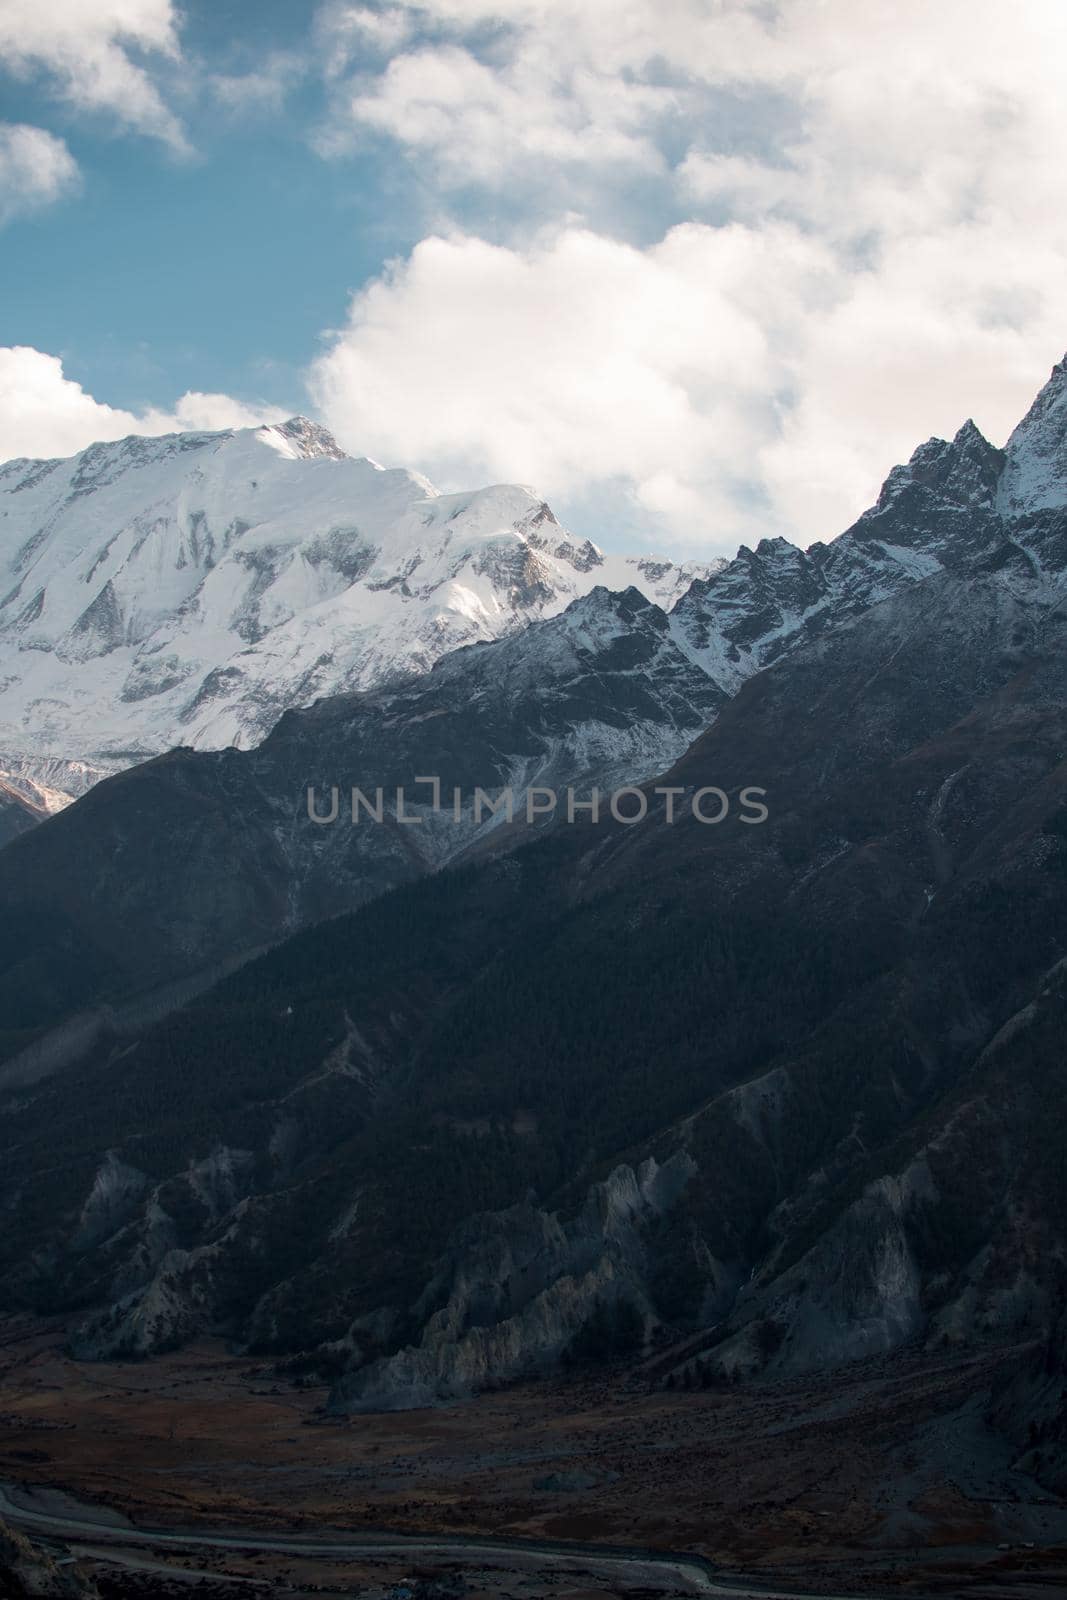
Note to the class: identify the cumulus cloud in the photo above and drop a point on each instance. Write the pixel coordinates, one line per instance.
(483, 93)
(577, 360)
(734, 379)
(36, 169)
(86, 51)
(480, 123)
(717, 266)
(865, 240)
(45, 414)
(836, 78)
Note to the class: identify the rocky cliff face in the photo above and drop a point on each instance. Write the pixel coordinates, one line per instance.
(516, 1290)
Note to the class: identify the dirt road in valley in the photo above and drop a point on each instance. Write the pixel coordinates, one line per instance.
(640, 1569)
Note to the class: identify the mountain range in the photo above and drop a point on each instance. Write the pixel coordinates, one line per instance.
(756, 1099)
(190, 861)
(189, 589)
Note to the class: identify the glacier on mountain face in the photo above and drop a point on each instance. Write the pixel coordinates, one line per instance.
(189, 589)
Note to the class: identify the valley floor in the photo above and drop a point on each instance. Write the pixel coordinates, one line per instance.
(881, 1479)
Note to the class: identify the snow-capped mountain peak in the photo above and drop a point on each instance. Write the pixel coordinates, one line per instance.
(963, 471)
(189, 588)
(300, 439)
(953, 503)
(1035, 473)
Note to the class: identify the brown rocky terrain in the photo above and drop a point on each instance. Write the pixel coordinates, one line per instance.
(882, 1479)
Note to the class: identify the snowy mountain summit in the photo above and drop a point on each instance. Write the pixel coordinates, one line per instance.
(189, 589)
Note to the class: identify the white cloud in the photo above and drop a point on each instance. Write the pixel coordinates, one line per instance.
(737, 379)
(485, 93)
(43, 413)
(36, 169)
(348, 33)
(578, 360)
(480, 123)
(209, 412)
(719, 264)
(870, 243)
(85, 45)
(263, 90)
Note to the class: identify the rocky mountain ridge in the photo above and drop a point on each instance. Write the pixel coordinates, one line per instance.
(189, 589)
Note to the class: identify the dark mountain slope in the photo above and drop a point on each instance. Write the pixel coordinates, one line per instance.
(183, 863)
(669, 1060)
(787, 1092)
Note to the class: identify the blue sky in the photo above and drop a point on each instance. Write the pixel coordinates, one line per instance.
(214, 272)
(697, 271)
